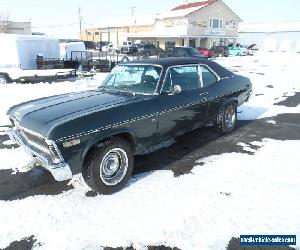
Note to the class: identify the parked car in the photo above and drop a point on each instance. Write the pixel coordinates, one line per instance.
(220, 50)
(139, 106)
(252, 49)
(89, 45)
(149, 50)
(128, 47)
(238, 50)
(206, 52)
(179, 51)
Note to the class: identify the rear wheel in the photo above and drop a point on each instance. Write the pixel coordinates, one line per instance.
(109, 166)
(226, 119)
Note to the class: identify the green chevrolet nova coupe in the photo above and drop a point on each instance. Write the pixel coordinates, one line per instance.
(138, 107)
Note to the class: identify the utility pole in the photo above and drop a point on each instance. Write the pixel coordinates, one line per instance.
(80, 21)
(132, 11)
(133, 14)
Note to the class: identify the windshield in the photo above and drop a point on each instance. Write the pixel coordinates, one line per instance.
(137, 79)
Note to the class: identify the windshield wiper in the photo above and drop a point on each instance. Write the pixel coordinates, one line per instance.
(120, 91)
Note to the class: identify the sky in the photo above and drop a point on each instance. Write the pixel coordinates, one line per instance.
(60, 17)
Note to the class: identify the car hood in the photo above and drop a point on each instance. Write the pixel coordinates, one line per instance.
(38, 115)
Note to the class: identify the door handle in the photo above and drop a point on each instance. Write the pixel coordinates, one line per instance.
(203, 94)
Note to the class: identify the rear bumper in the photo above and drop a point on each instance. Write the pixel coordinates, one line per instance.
(60, 172)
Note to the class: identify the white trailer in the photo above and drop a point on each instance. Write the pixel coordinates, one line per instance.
(18, 54)
(72, 50)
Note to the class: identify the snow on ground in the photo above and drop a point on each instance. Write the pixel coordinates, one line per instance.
(231, 194)
(274, 76)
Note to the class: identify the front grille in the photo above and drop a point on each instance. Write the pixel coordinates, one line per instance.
(33, 138)
(33, 141)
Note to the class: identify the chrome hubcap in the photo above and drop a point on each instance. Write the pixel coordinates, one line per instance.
(230, 117)
(113, 166)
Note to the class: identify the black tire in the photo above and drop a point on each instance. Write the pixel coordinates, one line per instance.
(226, 119)
(3, 79)
(94, 171)
(125, 59)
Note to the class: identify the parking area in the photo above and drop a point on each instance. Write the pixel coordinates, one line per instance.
(198, 193)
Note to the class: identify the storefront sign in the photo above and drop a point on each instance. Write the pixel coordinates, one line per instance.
(213, 32)
(168, 23)
(231, 25)
(174, 22)
(201, 23)
(198, 23)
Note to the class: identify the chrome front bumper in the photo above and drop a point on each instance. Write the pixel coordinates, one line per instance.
(60, 171)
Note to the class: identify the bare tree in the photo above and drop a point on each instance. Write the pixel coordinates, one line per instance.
(4, 20)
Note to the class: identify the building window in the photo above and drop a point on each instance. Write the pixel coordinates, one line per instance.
(89, 33)
(97, 33)
(216, 23)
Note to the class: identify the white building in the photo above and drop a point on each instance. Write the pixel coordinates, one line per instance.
(280, 36)
(198, 24)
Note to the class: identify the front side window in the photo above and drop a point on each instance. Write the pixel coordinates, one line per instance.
(187, 77)
(216, 23)
(208, 77)
(137, 79)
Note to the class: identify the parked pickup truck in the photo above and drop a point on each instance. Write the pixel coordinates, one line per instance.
(128, 47)
(139, 106)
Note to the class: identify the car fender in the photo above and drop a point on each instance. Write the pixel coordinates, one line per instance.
(227, 101)
(104, 136)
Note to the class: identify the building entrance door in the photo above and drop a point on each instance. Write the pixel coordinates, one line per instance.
(192, 42)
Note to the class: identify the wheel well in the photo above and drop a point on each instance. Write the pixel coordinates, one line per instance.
(126, 136)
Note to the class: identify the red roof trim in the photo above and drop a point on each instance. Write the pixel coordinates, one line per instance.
(193, 5)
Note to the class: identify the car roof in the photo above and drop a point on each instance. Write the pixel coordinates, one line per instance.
(182, 47)
(169, 61)
(173, 61)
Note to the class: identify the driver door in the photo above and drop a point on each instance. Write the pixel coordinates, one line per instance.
(182, 103)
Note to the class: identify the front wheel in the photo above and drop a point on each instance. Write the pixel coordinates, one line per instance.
(109, 166)
(226, 119)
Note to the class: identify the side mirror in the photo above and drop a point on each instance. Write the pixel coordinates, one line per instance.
(177, 89)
